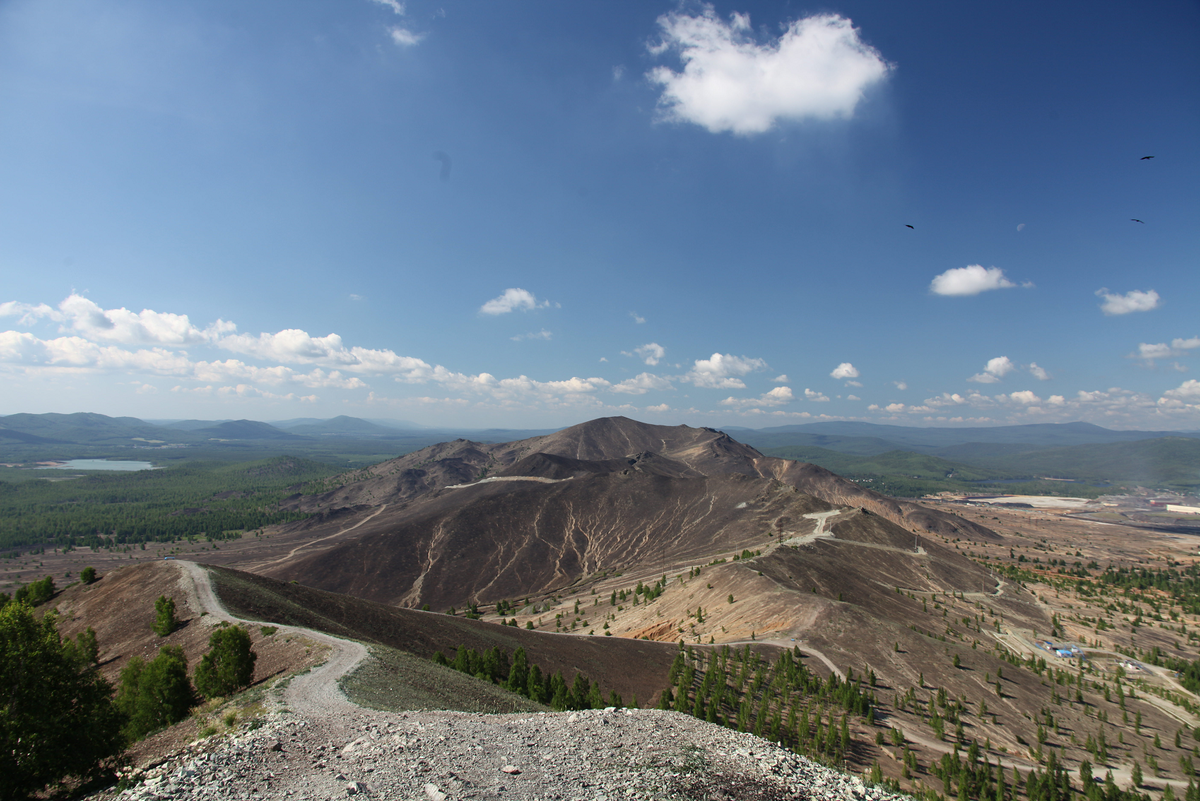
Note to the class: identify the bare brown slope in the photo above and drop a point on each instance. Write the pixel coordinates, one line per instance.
(603, 443)
(512, 539)
(119, 607)
(631, 667)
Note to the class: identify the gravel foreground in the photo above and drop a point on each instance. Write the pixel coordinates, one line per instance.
(445, 756)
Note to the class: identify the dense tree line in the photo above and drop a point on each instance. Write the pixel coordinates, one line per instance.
(526, 678)
(200, 500)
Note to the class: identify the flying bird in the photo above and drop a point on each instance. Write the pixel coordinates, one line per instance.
(1143, 158)
(906, 225)
(1135, 219)
(444, 158)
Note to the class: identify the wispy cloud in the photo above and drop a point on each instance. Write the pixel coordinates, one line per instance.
(1039, 373)
(641, 384)
(1133, 301)
(543, 334)
(395, 5)
(776, 397)
(404, 37)
(816, 397)
(651, 353)
(818, 68)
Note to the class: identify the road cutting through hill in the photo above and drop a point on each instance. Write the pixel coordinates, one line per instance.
(311, 543)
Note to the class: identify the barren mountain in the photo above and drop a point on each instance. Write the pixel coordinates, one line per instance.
(465, 522)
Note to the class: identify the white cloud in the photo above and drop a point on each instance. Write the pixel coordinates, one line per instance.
(1039, 372)
(721, 371)
(776, 397)
(404, 37)
(853, 397)
(816, 397)
(1133, 301)
(396, 6)
(637, 318)
(780, 379)
(543, 334)
(900, 385)
(28, 313)
(996, 369)
(1178, 347)
(844, 370)
(970, 280)
(641, 384)
(651, 353)
(511, 300)
(86, 318)
(1185, 397)
(818, 68)
(659, 409)
(1025, 397)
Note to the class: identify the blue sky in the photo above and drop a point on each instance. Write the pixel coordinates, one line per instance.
(532, 214)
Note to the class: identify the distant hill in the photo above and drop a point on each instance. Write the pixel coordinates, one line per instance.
(246, 429)
(906, 463)
(85, 427)
(848, 436)
(1162, 462)
(344, 426)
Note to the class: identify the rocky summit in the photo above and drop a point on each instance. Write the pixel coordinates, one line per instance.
(443, 756)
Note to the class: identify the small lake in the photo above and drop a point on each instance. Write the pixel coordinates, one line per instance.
(98, 464)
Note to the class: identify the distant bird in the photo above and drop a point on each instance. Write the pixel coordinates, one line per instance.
(444, 158)
(906, 225)
(1143, 158)
(1135, 219)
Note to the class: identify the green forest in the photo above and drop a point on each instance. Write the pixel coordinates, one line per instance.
(198, 500)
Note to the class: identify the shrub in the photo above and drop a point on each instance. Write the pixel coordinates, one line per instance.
(88, 575)
(164, 621)
(229, 664)
(156, 694)
(58, 718)
(37, 592)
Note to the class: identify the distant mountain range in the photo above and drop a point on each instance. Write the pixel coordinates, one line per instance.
(1080, 451)
(870, 438)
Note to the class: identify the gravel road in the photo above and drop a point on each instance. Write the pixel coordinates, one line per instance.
(315, 744)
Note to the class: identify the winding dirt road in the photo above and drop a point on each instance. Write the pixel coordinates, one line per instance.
(315, 693)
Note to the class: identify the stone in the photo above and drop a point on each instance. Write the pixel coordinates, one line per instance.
(511, 770)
